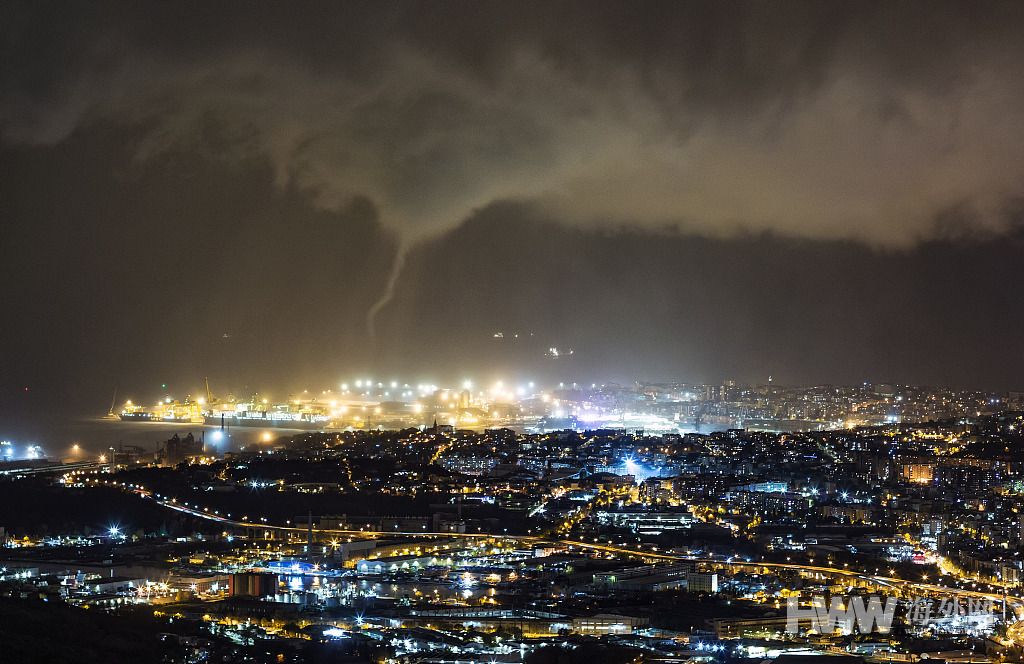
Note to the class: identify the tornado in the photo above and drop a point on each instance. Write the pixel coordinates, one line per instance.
(397, 265)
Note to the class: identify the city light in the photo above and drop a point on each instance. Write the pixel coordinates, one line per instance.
(512, 332)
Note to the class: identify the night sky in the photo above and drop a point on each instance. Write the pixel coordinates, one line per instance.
(287, 195)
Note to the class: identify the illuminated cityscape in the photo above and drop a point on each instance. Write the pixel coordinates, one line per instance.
(493, 332)
(671, 407)
(428, 542)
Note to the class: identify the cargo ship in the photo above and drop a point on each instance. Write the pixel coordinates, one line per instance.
(305, 414)
(299, 411)
(301, 414)
(163, 411)
(134, 413)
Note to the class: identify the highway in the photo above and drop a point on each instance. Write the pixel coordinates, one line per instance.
(880, 581)
(52, 468)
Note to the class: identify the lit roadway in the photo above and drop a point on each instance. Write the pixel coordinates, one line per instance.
(877, 580)
(52, 469)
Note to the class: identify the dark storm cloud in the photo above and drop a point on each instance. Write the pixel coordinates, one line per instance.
(839, 183)
(824, 120)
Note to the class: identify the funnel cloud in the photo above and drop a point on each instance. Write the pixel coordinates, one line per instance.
(885, 127)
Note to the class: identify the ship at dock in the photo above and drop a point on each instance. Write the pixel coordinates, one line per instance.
(302, 411)
(168, 410)
(256, 411)
(296, 413)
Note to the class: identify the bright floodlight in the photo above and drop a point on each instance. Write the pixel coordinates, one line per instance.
(114, 531)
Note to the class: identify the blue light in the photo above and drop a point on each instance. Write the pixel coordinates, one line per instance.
(638, 471)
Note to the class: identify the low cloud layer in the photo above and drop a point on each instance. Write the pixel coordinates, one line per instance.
(885, 123)
(216, 189)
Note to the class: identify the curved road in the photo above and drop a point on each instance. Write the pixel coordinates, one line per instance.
(878, 580)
